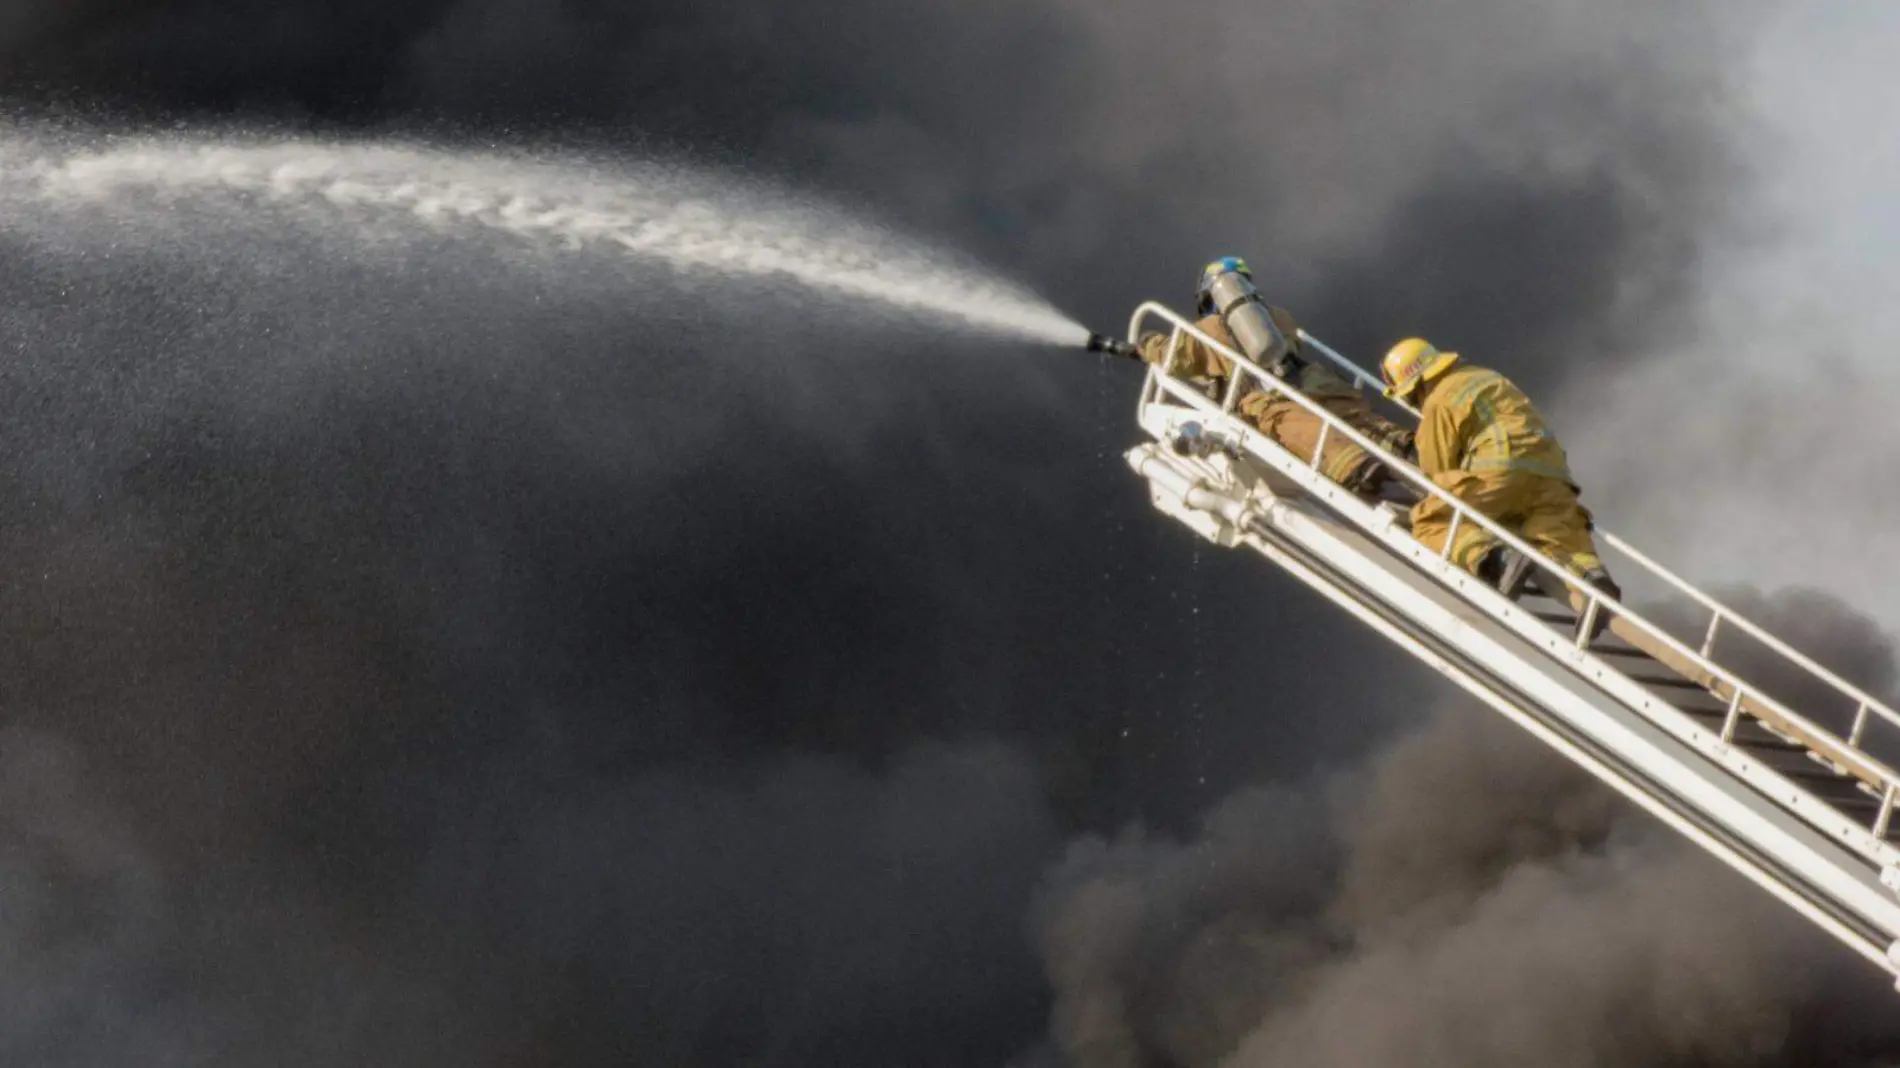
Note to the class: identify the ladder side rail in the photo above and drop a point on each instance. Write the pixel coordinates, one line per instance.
(1345, 595)
(1176, 480)
(1451, 577)
(1601, 769)
(1750, 698)
(1720, 613)
(1353, 370)
(1726, 616)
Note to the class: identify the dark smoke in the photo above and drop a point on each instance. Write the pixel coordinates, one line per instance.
(1522, 183)
(1481, 903)
(415, 655)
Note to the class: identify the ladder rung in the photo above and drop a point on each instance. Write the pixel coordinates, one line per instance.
(1819, 774)
(1621, 649)
(1831, 768)
(1750, 734)
(1847, 803)
(1672, 682)
(1770, 745)
(1680, 700)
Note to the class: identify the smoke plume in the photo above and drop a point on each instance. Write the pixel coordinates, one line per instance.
(434, 651)
(1481, 903)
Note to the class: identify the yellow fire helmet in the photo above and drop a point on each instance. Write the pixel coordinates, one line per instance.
(1412, 363)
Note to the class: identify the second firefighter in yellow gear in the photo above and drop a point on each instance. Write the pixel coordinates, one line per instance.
(1481, 439)
(1285, 420)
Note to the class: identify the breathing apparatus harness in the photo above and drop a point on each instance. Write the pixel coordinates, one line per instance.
(1227, 287)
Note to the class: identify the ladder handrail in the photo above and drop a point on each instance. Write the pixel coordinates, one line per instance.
(1733, 805)
(1724, 614)
(1720, 612)
(1360, 376)
(1840, 751)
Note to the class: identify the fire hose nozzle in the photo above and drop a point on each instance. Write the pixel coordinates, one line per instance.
(1104, 343)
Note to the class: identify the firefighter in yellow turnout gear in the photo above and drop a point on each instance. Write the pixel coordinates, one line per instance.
(1280, 418)
(1481, 439)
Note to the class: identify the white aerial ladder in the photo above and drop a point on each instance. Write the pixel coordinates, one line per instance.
(1797, 802)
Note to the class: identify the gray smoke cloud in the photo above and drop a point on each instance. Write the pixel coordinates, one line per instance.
(1466, 897)
(424, 652)
(1748, 447)
(1527, 182)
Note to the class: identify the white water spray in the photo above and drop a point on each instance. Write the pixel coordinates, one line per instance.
(689, 221)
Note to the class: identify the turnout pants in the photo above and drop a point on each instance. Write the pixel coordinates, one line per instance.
(1343, 461)
(1543, 511)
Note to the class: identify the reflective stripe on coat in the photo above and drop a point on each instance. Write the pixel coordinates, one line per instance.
(1475, 420)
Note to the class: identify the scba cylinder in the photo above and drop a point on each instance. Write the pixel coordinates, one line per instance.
(1250, 321)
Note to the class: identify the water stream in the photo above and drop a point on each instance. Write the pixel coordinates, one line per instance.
(690, 221)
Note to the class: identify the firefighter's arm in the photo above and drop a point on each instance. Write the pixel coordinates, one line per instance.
(1440, 444)
(1191, 358)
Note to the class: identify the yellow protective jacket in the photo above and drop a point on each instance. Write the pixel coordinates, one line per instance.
(1195, 359)
(1475, 420)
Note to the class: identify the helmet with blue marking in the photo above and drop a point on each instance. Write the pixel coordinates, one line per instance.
(1203, 294)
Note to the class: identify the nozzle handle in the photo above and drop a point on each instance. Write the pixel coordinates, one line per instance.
(1113, 346)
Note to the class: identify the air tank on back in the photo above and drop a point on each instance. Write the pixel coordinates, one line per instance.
(1250, 321)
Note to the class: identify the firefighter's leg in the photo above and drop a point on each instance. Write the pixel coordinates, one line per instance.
(1556, 522)
(1299, 430)
(1286, 422)
(1342, 459)
(1346, 462)
(1431, 521)
(1377, 478)
(1383, 432)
